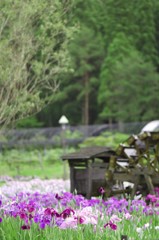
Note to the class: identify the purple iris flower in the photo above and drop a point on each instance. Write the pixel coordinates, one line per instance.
(58, 197)
(67, 212)
(25, 227)
(23, 215)
(52, 212)
(111, 225)
(36, 219)
(30, 208)
(42, 225)
(101, 190)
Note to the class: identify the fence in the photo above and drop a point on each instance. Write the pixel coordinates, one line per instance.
(50, 137)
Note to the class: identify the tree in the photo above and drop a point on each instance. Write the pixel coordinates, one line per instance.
(33, 46)
(87, 52)
(136, 19)
(130, 32)
(107, 31)
(117, 51)
(129, 84)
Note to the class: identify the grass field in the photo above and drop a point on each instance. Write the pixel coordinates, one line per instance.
(47, 171)
(33, 163)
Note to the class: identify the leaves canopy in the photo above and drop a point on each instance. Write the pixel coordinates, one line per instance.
(114, 57)
(33, 53)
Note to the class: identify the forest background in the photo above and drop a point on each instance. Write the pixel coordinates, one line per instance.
(95, 61)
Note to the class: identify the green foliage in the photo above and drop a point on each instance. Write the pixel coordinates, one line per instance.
(128, 84)
(41, 163)
(113, 39)
(134, 19)
(3, 138)
(87, 50)
(53, 155)
(36, 163)
(119, 49)
(73, 134)
(65, 136)
(106, 139)
(33, 44)
(97, 50)
(15, 159)
(30, 122)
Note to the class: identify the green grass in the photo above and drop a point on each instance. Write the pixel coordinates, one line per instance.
(44, 171)
(47, 171)
(10, 230)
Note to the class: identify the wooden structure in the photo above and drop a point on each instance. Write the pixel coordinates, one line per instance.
(135, 161)
(87, 169)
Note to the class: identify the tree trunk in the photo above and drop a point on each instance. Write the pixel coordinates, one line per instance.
(86, 100)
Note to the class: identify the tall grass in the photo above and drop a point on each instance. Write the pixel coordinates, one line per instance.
(36, 163)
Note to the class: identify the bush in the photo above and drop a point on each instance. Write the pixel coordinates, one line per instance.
(107, 139)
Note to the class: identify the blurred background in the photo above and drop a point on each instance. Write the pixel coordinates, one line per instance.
(96, 62)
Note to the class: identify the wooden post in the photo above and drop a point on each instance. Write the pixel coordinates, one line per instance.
(72, 178)
(149, 184)
(89, 179)
(136, 182)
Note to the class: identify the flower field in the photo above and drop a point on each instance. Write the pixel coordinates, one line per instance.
(46, 210)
